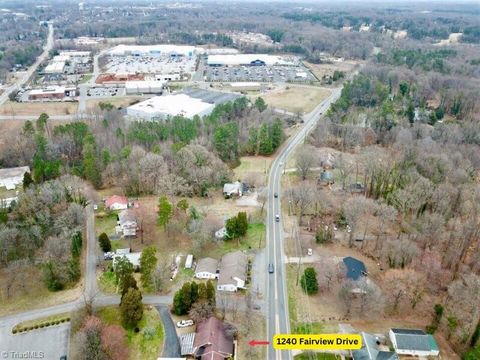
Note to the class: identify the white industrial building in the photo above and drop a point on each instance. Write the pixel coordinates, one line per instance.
(144, 87)
(249, 59)
(11, 177)
(155, 50)
(162, 107)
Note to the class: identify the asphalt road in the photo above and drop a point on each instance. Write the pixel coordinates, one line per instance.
(28, 74)
(171, 344)
(277, 311)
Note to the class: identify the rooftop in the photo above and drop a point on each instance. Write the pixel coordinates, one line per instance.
(232, 265)
(171, 105)
(244, 59)
(414, 339)
(13, 172)
(207, 265)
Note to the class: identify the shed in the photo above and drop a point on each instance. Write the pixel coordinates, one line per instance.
(189, 261)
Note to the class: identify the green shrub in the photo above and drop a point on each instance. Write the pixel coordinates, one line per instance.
(14, 331)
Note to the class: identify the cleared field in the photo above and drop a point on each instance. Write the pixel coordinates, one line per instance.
(35, 109)
(296, 98)
(252, 164)
(118, 102)
(321, 70)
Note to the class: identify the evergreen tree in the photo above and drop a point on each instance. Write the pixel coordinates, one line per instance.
(309, 281)
(242, 223)
(128, 282)
(211, 293)
(91, 170)
(194, 292)
(148, 261)
(27, 180)
(225, 141)
(131, 308)
(260, 104)
(123, 268)
(76, 246)
(165, 211)
(187, 295)
(105, 243)
(42, 122)
(252, 145)
(277, 134)
(265, 146)
(202, 291)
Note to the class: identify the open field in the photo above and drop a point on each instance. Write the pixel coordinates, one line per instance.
(296, 98)
(321, 70)
(252, 164)
(36, 108)
(141, 346)
(316, 356)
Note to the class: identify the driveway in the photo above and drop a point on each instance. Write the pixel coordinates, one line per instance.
(171, 344)
(48, 343)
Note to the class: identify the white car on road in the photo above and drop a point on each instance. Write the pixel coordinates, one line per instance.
(185, 323)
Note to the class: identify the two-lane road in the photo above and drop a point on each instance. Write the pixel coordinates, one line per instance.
(278, 321)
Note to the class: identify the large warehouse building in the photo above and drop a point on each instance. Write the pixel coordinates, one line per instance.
(162, 107)
(53, 93)
(155, 50)
(249, 60)
(187, 104)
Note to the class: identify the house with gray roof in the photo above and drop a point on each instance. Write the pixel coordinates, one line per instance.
(372, 350)
(206, 268)
(232, 272)
(413, 342)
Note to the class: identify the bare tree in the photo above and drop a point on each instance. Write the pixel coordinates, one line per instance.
(305, 160)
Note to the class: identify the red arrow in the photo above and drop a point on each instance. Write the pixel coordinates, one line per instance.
(258, 342)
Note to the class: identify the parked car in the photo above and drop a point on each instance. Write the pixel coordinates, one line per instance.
(185, 323)
(270, 268)
(108, 255)
(310, 252)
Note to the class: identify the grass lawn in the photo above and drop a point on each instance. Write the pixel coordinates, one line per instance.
(142, 345)
(106, 282)
(86, 78)
(252, 164)
(317, 356)
(105, 222)
(36, 108)
(296, 98)
(255, 236)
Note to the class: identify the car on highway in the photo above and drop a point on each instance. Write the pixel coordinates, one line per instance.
(270, 268)
(185, 323)
(275, 195)
(277, 218)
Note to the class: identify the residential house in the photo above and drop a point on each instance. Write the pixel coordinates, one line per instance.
(116, 202)
(127, 223)
(413, 342)
(212, 342)
(206, 268)
(233, 189)
(11, 177)
(134, 258)
(372, 350)
(232, 272)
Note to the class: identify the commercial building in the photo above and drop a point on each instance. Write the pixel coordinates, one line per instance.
(155, 50)
(163, 107)
(144, 87)
(250, 60)
(53, 93)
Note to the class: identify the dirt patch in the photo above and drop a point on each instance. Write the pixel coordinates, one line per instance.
(321, 70)
(118, 102)
(36, 108)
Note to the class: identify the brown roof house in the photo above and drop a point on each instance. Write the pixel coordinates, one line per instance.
(212, 342)
(232, 272)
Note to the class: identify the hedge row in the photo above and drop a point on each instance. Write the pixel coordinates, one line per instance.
(41, 325)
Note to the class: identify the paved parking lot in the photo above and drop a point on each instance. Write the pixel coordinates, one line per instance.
(105, 91)
(49, 343)
(162, 64)
(258, 73)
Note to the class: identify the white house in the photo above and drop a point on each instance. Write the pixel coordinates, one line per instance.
(206, 268)
(233, 189)
(134, 258)
(413, 342)
(127, 223)
(11, 177)
(232, 272)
